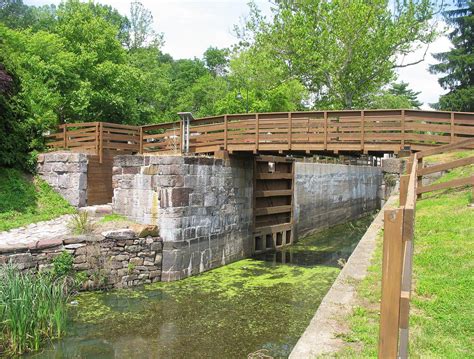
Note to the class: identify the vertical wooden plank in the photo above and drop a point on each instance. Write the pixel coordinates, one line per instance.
(404, 179)
(362, 130)
(141, 140)
(419, 178)
(101, 144)
(408, 231)
(391, 283)
(97, 138)
(403, 129)
(65, 136)
(290, 129)
(452, 127)
(225, 132)
(257, 131)
(325, 130)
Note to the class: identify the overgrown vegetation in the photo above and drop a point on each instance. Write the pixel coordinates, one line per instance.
(80, 223)
(25, 200)
(32, 308)
(441, 307)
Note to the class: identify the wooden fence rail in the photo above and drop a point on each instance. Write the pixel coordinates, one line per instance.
(398, 247)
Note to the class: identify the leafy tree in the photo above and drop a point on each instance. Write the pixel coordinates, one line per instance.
(342, 51)
(141, 28)
(457, 65)
(15, 14)
(401, 90)
(216, 61)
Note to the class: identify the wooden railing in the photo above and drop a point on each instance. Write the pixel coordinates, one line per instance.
(398, 246)
(369, 130)
(362, 131)
(96, 137)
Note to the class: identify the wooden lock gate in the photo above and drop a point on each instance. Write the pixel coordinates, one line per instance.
(273, 203)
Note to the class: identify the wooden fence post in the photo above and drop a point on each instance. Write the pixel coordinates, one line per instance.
(362, 130)
(391, 283)
(225, 132)
(404, 179)
(65, 136)
(101, 141)
(403, 130)
(257, 131)
(452, 127)
(408, 232)
(419, 178)
(290, 129)
(140, 148)
(325, 130)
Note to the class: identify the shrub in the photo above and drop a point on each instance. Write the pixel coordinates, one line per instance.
(81, 223)
(62, 265)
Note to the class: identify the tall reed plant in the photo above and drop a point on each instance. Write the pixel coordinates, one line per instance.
(32, 309)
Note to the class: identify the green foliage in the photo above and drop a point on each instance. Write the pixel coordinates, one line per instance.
(32, 309)
(63, 264)
(341, 51)
(27, 200)
(80, 223)
(456, 64)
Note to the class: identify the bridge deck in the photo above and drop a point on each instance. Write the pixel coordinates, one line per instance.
(356, 131)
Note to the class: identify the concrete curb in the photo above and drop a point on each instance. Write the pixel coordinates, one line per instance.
(320, 337)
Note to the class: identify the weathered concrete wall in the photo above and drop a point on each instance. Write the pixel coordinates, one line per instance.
(202, 205)
(327, 194)
(66, 172)
(115, 259)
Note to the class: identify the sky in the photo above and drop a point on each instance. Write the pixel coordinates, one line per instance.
(191, 26)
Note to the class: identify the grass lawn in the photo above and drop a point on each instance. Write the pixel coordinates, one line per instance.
(442, 310)
(25, 200)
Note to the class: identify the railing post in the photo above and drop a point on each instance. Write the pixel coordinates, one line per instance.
(419, 179)
(404, 179)
(403, 129)
(97, 138)
(325, 130)
(290, 129)
(257, 131)
(225, 132)
(362, 129)
(65, 136)
(408, 227)
(101, 141)
(452, 127)
(140, 148)
(391, 283)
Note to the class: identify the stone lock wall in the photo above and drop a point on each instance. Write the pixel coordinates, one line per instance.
(202, 205)
(327, 194)
(115, 259)
(66, 172)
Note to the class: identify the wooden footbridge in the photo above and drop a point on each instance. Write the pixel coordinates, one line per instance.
(366, 131)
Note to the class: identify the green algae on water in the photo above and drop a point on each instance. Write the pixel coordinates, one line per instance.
(229, 312)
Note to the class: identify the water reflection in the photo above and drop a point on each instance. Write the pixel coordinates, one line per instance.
(260, 303)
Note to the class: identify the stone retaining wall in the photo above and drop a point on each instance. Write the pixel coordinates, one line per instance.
(115, 259)
(202, 205)
(66, 172)
(326, 194)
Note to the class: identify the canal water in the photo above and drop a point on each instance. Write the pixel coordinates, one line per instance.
(261, 304)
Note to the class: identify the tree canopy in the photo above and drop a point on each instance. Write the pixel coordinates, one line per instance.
(457, 65)
(84, 61)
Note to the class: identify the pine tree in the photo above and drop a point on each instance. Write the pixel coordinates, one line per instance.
(457, 65)
(401, 89)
